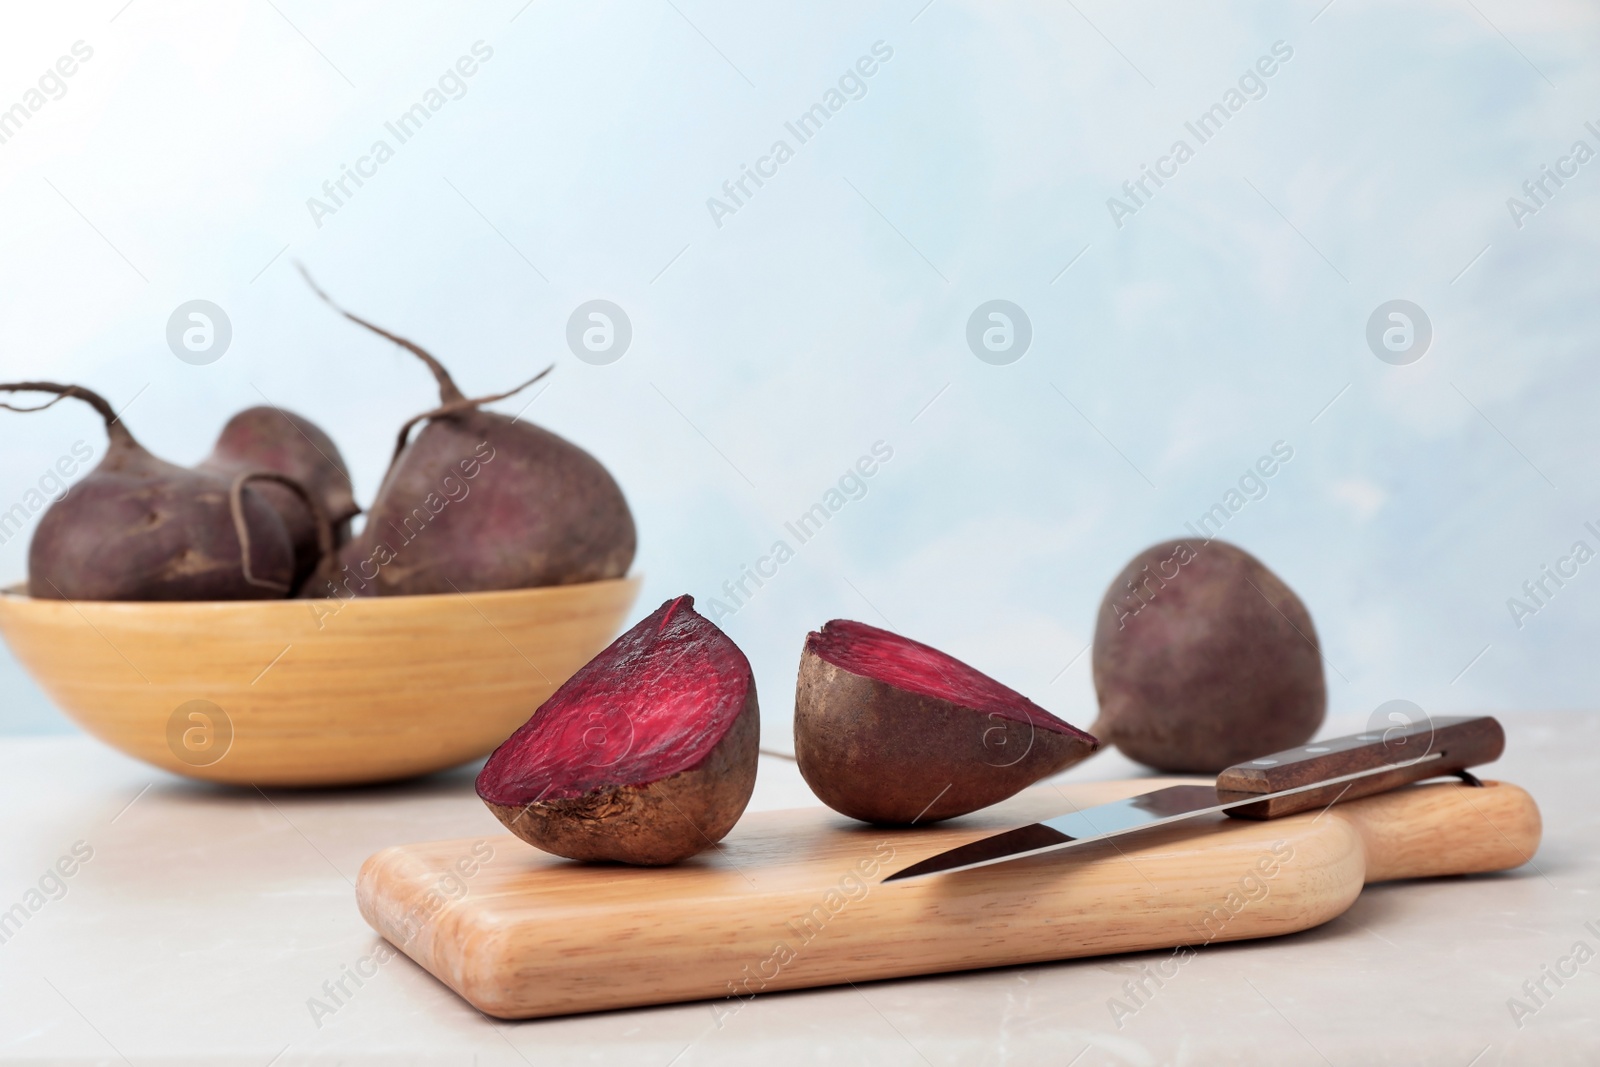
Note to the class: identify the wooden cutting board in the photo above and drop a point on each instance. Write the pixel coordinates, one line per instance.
(792, 899)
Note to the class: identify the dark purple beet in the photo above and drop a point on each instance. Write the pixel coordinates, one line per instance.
(1204, 657)
(477, 500)
(140, 528)
(272, 439)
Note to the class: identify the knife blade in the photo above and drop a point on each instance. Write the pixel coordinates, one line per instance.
(1299, 779)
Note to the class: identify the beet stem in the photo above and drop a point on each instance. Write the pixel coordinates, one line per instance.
(448, 391)
(455, 407)
(242, 528)
(332, 464)
(324, 570)
(114, 427)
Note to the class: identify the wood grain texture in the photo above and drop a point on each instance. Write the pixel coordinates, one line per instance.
(316, 692)
(791, 899)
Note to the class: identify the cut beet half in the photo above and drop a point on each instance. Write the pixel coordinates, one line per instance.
(888, 730)
(647, 755)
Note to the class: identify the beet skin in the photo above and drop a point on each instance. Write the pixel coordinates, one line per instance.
(477, 500)
(1204, 658)
(891, 731)
(140, 528)
(271, 439)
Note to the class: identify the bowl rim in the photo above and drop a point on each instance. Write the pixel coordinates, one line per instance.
(15, 597)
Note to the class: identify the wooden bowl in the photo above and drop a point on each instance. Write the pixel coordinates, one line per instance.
(312, 692)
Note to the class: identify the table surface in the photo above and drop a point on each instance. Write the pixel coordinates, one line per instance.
(204, 923)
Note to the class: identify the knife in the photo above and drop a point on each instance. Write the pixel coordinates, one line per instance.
(1316, 775)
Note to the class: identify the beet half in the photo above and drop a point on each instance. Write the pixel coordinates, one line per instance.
(477, 500)
(888, 730)
(647, 755)
(1204, 658)
(139, 528)
(271, 439)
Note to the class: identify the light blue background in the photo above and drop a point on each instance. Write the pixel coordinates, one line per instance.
(831, 309)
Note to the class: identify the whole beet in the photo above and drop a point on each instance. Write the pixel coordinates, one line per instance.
(140, 528)
(272, 439)
(477, 500)
(1204, 658)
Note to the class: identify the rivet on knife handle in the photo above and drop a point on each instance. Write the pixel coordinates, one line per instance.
(1427, 749)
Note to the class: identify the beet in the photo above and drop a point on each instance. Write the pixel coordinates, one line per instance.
(647, 755)
(888, 730)
(271, 439)
(1204, 658)
(478, 500)
(140, 528)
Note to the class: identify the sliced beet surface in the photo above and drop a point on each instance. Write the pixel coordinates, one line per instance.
(646, 755)
(916, 667)
(889, 730)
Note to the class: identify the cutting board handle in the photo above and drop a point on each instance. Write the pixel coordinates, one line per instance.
(1362, 764)
(1444, 828)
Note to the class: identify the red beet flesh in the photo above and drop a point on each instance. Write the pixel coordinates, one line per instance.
(646, 755)
(911, 665)
(889, 730)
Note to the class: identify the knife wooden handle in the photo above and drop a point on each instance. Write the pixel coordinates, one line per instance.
(1427, 749)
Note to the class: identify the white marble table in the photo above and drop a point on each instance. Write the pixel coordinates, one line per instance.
(206, 919)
